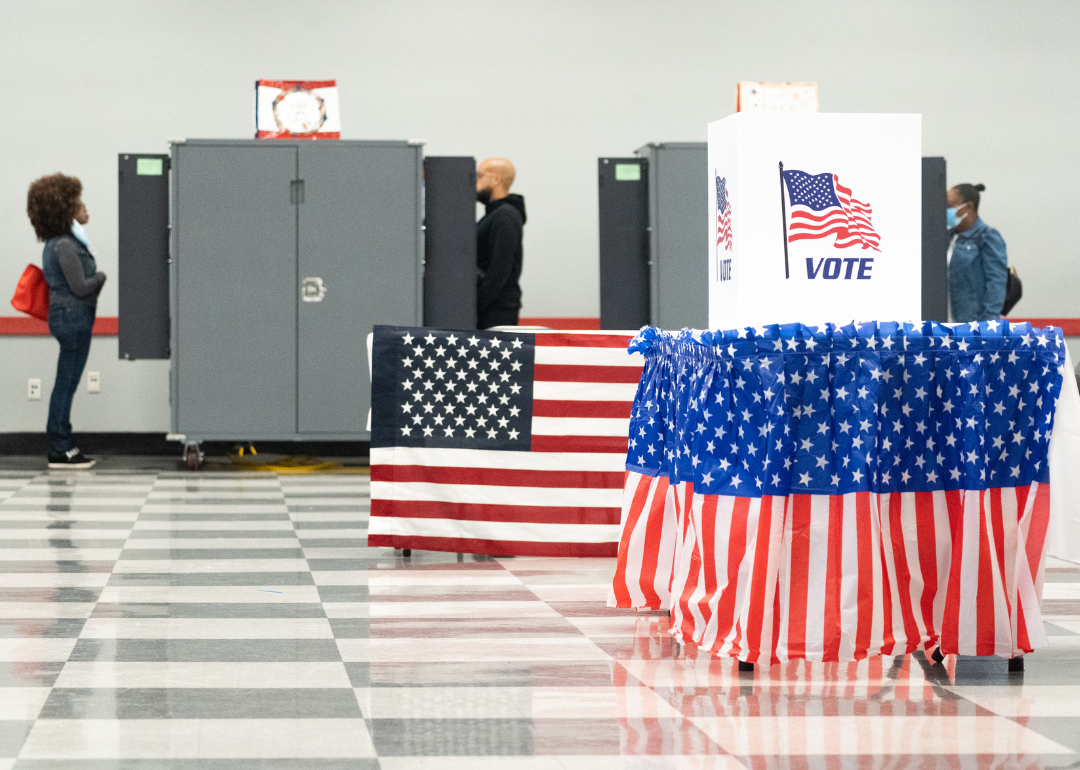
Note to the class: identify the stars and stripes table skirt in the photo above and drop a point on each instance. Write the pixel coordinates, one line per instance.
(503, 443)
(832, 493)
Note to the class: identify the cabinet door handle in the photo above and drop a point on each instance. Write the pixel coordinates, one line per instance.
(296, 191)
(312, 290)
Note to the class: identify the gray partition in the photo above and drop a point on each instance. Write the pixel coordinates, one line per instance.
(679, 236)
(623, 185)
(143, 256)
(450, 242)
(935, 242)
(285, 255)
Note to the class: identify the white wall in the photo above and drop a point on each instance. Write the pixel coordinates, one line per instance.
(552, 85)
(134, 396)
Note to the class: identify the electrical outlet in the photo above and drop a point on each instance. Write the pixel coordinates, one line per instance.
(93, 382)
(33, 389)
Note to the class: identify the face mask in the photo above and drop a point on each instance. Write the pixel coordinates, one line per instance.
(80, 233)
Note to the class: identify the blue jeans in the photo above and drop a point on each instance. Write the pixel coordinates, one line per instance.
(72, 325)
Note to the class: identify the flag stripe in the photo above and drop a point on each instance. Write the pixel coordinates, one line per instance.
(614, 339)
(513, 477)
(757, 599)
(491, 494)
(500, 531)
(865, 549)
(590, 427)
(583, 444)
(421, 509)
(499, 546)
(833, 587)
(640, 485)
(555, 460)
(571, 373)
(584, 391)
(798, 585)
(903, 574)
(595, 356)
(984, 633)
(654, 525)
(617, 409)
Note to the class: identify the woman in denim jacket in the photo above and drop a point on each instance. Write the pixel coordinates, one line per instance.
(54, 205)
(978, 268)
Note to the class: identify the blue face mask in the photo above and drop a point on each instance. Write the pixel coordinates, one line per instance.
(951, 219)
(80, 233)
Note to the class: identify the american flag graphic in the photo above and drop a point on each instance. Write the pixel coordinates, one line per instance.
(504, 443)
(822, 207)
(723, 214)
(831, 493)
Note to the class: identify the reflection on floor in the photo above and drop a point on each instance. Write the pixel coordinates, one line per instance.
(167, 620)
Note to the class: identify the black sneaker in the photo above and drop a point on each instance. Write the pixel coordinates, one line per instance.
(71, 459)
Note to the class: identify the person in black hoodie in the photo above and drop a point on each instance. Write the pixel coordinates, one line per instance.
(498, 245)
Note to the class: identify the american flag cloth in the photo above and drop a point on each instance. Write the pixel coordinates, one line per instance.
(503, 443)
(822, 207)
(723, 214)
(831, 493)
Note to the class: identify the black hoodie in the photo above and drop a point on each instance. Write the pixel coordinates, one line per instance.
(498, 261)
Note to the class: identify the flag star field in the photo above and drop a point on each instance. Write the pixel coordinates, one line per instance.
(830, 410)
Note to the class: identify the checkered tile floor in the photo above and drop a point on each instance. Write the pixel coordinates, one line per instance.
(168, 620)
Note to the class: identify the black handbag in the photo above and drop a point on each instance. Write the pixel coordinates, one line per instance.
(1014, 290)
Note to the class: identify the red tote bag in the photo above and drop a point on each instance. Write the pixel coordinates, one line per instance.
(32, 293)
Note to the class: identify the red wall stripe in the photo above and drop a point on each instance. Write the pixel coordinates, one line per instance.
(1070, 326)
(554, 339)
(107, 325)
(25, 326)
(562, 322)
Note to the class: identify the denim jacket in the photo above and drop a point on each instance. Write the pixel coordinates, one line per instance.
(977, 274)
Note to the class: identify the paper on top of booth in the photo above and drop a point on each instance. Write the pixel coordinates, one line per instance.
(297, 109)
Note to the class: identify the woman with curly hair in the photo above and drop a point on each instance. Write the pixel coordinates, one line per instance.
(54, 204)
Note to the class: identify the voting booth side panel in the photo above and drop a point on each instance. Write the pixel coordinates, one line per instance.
(847, 201)
(724, 222)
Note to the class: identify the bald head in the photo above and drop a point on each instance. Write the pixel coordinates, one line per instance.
(493, 179)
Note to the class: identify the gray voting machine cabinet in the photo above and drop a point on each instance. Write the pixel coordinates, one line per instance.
(284, 256)
(654, 235)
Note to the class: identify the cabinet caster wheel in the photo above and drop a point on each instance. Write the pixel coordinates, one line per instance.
(191, 459)
(745, 666)
(1016, 665)
(406, 552)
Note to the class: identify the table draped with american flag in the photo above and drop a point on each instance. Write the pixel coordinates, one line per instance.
(836, 492)
(500, 442)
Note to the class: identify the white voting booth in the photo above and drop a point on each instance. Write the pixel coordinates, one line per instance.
(815, 217)
(842, 193)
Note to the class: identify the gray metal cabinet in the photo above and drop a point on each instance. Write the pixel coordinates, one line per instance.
(284, 256)
(679, 235)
